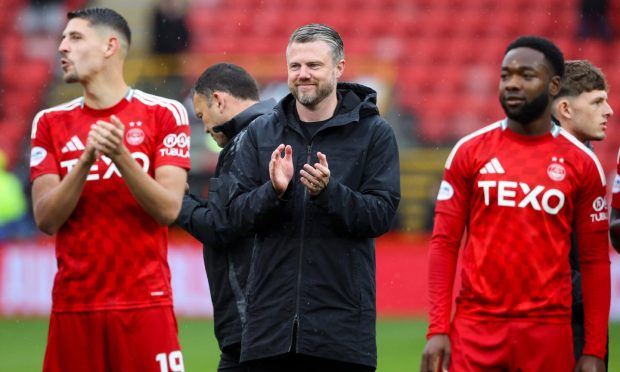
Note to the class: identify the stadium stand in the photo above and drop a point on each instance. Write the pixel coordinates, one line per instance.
(447, 53)
(22, 75)
(439, 58)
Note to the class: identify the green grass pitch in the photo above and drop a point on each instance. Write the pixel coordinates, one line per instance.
(399, 342)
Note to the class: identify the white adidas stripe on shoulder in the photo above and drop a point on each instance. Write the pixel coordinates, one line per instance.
(468, 137)
(585, 149)
(67, 106)
(618, 159)
(175, 107)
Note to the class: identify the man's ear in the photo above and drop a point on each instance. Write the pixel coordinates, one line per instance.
(220, 100)
(554, 85)
(563, 109)
(339, 68)
(112, 46)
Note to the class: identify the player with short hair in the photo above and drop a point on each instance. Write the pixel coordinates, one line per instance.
(520, 187)
(582, 108)
(226, 99)
(108, 172)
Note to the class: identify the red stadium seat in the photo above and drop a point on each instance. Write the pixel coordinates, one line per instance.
(12, 48)
(26, 72)
(593, 50)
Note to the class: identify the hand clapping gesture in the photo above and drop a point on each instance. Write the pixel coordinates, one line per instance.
(316, 178)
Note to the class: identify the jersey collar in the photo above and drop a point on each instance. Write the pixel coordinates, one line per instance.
(555, 129)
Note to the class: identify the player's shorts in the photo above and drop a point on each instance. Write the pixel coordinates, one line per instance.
(141, 340)
(510, 346)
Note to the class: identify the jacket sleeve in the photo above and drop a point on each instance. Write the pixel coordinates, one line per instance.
(199, 219)
(252, 195)
(206, 219)
(370, 210)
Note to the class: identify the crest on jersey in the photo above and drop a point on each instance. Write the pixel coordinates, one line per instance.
(556, 170)
(135, 136)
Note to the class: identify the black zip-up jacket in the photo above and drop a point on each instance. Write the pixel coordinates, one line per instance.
(313, 263)
(226, 252)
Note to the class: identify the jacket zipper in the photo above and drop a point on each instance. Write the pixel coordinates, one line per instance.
(301, 254)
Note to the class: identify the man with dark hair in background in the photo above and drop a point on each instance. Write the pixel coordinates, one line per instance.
(311, 287)
(520, 187)
(582, 108)
(108, 172)
(226, 99)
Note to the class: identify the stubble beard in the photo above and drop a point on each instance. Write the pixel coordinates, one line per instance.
(70, 78)
(312, 99)
(529, 111)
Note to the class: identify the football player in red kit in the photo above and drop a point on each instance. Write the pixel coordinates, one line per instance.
(519, 187)
(108, 174)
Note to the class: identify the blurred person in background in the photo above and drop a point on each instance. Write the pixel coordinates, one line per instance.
(226, 99)
(311, 301)
(582, 108)
(170, 32)
(520, 187)
(13, 204)
(42, 16)
(594, 20)
(108, 172)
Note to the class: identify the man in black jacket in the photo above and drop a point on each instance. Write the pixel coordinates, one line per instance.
(311, 288)
(226, 100)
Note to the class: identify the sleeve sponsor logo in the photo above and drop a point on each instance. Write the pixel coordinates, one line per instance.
(176, 140)
(176, 145)
(616, 187)
(599, 204)
(37, 155)
(445, 191)
(600, 208)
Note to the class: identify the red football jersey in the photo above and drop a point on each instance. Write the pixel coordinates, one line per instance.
(519, 198)
(615, 190)
(111, 254)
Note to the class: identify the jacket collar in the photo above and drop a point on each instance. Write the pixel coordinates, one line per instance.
(357, 101)
(235, 125)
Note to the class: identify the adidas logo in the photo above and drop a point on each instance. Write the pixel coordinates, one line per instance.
(492, 167)
(74, 144)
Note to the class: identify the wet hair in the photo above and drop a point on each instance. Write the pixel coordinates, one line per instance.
(552, 53)
(580, 76)
(229, 78)
(103, 16)
(315, 32)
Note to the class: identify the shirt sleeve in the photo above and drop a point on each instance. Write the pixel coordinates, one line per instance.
(615, 190)
(591, 222)
(173, 142)
(42, 155)
(451, 214)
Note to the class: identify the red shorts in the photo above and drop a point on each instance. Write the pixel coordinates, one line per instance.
(114, 340)
(510, 346)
